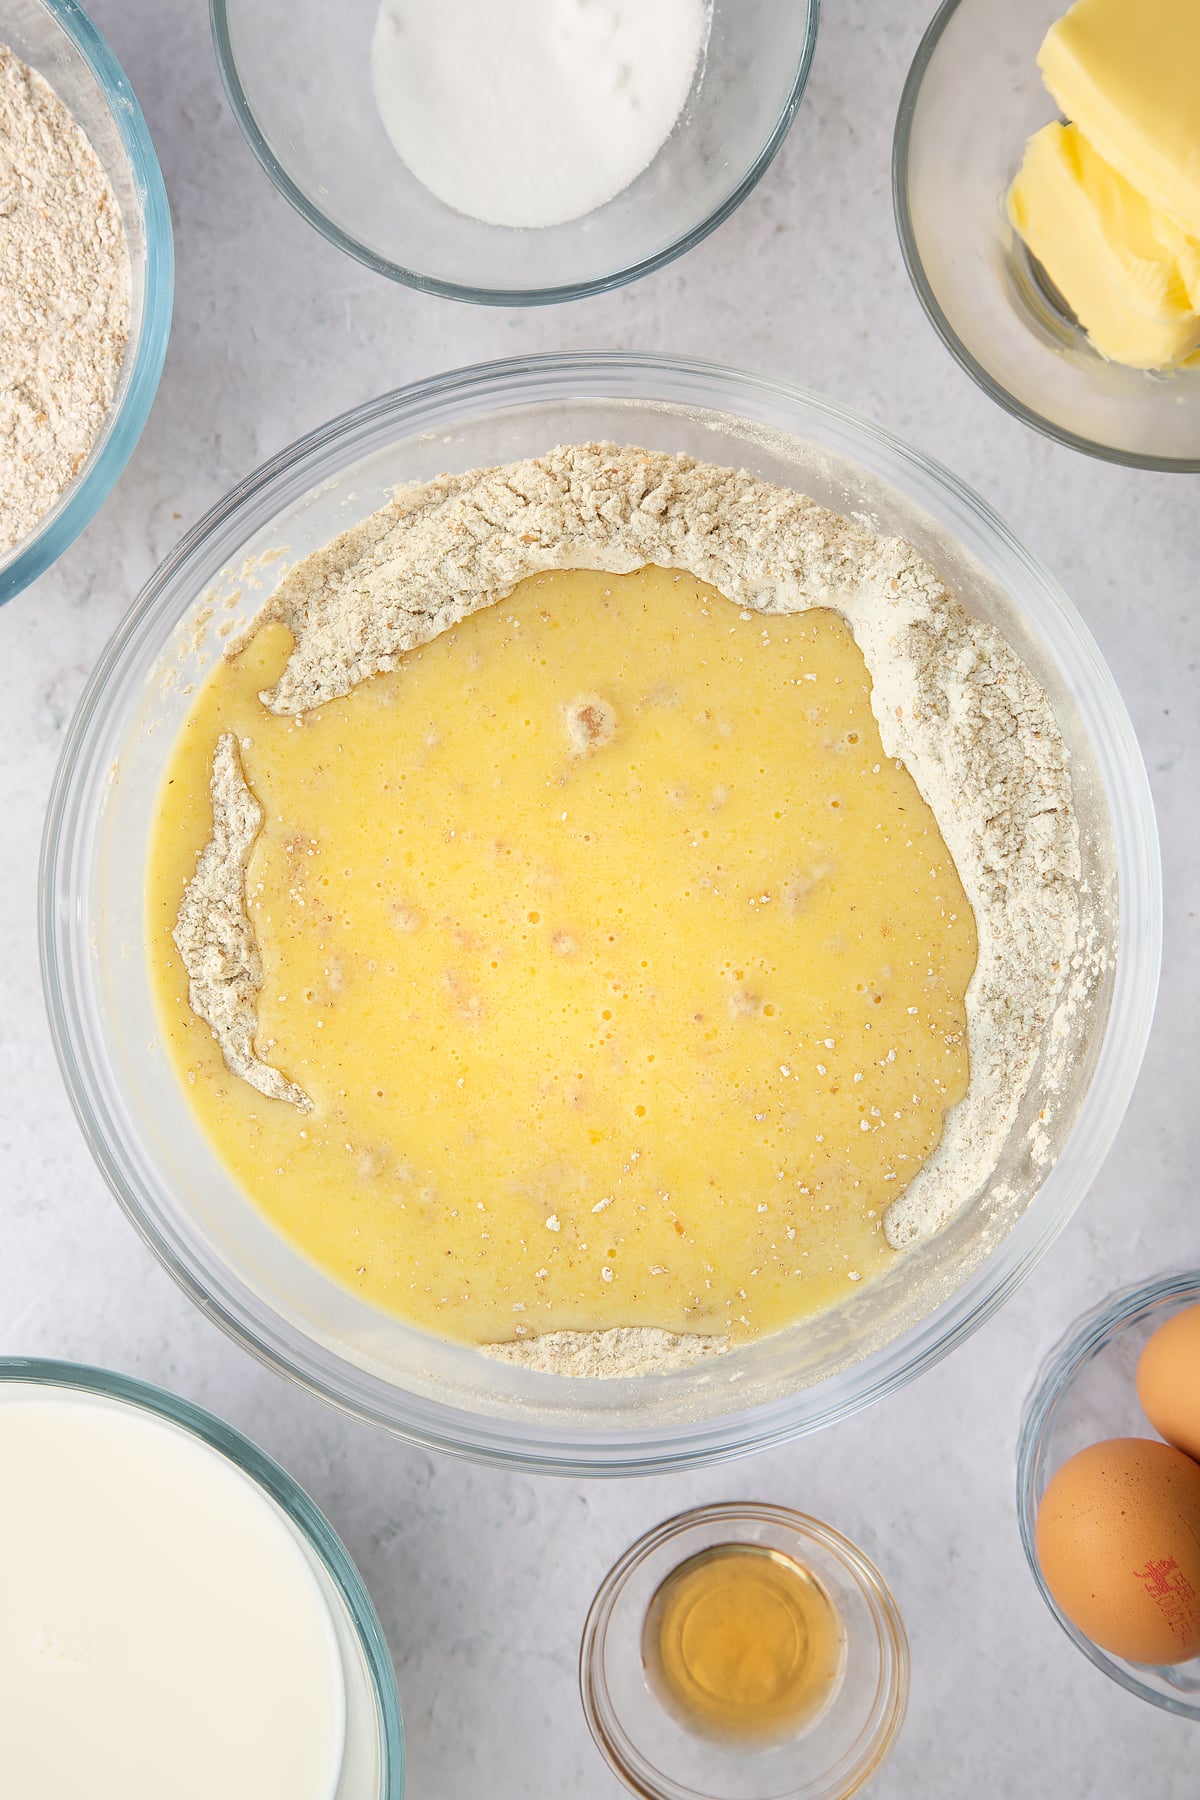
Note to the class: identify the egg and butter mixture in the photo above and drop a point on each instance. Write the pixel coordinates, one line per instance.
(625, 973)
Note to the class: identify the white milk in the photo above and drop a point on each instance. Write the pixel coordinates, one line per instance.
(162, 1634)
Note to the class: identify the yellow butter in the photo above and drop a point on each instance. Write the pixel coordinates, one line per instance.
(1185, 250)
(1106, 250)
(1127, 72)
(625, 971)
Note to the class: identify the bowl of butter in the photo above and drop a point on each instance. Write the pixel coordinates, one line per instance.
(1049, 214)
(581, 912)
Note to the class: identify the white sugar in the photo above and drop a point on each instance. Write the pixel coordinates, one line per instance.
(533, 112)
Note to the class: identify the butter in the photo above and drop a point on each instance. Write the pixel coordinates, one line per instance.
(1127, 72)
(1130, 274)
(1185, 250)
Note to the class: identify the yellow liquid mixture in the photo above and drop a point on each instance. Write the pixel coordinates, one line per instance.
(625, 972)
(740, 1642)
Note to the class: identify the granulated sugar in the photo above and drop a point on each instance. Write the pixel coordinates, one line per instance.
(536, 111)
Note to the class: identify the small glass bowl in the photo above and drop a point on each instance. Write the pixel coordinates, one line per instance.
(373, 1759)
(57, 38)
(299, 82)
(973, 96)
(1084, 1393)
(657, 1757)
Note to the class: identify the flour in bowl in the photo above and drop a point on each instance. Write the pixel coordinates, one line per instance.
(64, 299)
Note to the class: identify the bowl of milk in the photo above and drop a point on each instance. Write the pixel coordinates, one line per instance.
(180, 1618)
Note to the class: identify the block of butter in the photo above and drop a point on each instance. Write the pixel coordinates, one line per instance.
(1127, 72)
(1114, 259)
(1185, 250)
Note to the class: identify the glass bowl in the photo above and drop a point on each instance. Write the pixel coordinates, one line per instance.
(373, 1758)
(299, 82)
(659, 1758)
(973, 96)
(137, 1120)
(1085, 1392)
(57, 38)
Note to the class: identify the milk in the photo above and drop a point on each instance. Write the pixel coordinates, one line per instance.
(163, 1630)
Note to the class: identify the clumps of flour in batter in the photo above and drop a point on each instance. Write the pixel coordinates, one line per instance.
(215, 938)
(591, 721)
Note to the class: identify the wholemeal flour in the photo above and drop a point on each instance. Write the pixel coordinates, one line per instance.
(952, 700)
(64, 298)
(621, 1350)
(215, 936)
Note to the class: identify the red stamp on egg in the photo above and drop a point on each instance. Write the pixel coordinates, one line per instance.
(1173, 1594)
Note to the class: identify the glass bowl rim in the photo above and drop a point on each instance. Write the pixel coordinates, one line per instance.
(296, 1504)
(612, 1451)
(906, 113)
(472, 293)
(1090, 1332)
(891, 1705)
(121, 431)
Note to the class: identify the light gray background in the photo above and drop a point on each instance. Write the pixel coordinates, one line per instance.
(482, 1579)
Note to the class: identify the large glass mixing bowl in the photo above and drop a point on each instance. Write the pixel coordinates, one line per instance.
(138, 1122)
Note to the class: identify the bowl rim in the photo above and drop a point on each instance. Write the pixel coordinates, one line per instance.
(474, 294)
(1090, 1333)
(119, 434)
(293, 1501)
(647, 378)
(906, 113)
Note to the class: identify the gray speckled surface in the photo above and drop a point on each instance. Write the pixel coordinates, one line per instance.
(482, 1579)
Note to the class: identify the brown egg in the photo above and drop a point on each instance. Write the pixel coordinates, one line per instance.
(1118, 1540)
(1168, 1380)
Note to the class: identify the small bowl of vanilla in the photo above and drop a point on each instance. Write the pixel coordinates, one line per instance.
(515, 155)
(1049, 213)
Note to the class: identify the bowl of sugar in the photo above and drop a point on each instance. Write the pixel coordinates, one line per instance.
(515, 155)
(180, 1619)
